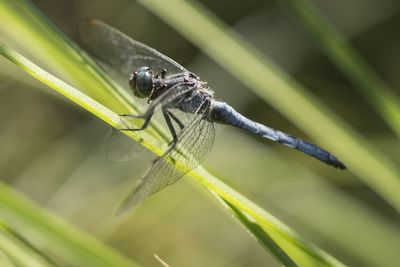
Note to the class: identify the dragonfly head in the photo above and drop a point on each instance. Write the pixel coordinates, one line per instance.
(141, 82)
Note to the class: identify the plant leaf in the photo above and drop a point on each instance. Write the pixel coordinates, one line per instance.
(64, 241)
(20, 251)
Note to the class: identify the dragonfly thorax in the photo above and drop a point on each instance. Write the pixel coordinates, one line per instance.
(141, 82)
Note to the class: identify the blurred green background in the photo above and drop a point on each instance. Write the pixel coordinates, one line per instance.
(52, 151)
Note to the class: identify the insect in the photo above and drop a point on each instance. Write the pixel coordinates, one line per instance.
(186, 103)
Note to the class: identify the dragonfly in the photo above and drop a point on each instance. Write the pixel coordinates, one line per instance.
(186, 104)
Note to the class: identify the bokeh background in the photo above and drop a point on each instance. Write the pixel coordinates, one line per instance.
(52, 151)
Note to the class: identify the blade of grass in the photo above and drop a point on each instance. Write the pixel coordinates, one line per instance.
(5, 261)
(63, 240)
(273, 85)
(378, 94)
(17, 254)
(304, 253)
(19, 251)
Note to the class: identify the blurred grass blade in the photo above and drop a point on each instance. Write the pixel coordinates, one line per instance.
(349, 62)
(63, 240)
(5, 261)
(19, 251)
(274, 85)
(281, 234)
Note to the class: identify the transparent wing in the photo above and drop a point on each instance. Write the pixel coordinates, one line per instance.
(120, 52)
(195, 143)
(120, 147)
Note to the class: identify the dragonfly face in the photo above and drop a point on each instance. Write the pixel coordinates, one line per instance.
(141, 82)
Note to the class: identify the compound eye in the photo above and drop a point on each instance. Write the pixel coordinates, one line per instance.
(141, 82)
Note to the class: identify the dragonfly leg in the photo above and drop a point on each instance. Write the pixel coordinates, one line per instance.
(162, 74)
(172, 130)
(147, 117)
(172, 115)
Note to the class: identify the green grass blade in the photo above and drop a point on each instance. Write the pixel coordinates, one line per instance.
(300, 251)
(349, 61)
(275, 86)
(5, 260)
(17, 252)
(20, 250)
(63, 240)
